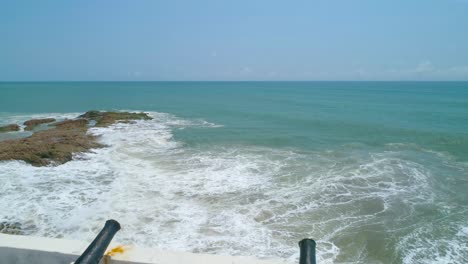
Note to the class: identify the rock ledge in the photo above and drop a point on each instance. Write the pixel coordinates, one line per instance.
(9, 128)
(57, 145)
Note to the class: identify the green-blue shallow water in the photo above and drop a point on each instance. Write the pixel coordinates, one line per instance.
(377, 172)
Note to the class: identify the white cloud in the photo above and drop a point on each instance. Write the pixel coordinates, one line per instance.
(458, 70)
(429, 71)
(272, 74)
(246, 70)
(135, 74)
(425, 70)
(425, 66)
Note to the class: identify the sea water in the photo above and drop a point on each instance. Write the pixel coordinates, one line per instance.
(375, 172)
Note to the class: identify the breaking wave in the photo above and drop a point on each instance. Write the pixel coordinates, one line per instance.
(361, 204)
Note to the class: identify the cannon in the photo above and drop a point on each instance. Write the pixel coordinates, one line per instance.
(307, 251)
(97, 248)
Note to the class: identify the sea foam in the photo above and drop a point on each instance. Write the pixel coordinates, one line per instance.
(240, 200)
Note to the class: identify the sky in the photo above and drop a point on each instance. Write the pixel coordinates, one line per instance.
(174, 40)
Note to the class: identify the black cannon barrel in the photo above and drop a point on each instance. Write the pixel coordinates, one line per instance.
(96, 249)
(307, 248)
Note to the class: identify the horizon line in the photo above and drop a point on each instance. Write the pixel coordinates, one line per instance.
(142, 81)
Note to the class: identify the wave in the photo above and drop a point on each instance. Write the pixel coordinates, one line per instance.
(19, 119)
(361, 204)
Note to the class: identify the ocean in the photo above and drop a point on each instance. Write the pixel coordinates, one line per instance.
(375, 172)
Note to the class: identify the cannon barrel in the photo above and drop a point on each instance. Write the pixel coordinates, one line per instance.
(96, 249)
(307, 249)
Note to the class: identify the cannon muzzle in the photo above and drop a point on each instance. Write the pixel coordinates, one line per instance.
(307, 248)
(96, 249)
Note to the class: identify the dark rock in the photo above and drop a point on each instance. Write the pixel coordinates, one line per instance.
(126, 122)
(11, 228)
(44, 149)
(104, 119)
(30, 124)
(9, 128)
(71, 124)
(57, 145)
(50, 147)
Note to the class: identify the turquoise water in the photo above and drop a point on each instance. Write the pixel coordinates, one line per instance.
(377, 172)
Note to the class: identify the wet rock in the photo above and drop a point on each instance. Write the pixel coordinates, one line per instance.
(11, 228)
(31, 124)
(71, 124)
(9, 128)
(57, 145)
(104, 119)
(50, 147)
(126, 122)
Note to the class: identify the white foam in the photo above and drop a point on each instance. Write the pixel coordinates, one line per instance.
(242, 200)
(21, 118)
(424, 245)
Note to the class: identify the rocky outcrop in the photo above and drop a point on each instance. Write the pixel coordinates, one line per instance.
(31, 124)
(8, 128)
(57, 145)
(104, 119)
(50, 147)
(71, 124)
(11, 228)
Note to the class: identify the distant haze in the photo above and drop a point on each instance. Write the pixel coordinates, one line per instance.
(233, 40)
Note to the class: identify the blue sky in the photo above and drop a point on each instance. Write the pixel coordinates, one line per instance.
(234, 40)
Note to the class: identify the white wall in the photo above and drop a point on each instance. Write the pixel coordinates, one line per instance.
(15, 249)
